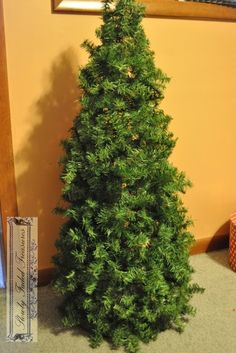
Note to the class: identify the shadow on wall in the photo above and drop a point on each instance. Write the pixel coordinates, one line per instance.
(39, 187)
(220, 239)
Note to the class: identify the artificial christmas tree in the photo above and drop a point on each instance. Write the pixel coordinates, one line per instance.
(122, 259)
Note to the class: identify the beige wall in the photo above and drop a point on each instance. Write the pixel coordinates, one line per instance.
(43, 53)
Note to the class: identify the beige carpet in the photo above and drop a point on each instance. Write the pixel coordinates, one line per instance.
(212, 330)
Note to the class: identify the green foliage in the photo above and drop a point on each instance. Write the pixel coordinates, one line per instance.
(122, 259)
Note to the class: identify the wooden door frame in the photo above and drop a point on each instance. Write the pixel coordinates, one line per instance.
(8, 200)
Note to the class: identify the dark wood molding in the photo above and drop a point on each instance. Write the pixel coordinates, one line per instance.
(210, 244)
(162, 9)
(45, 276)
(8, 200)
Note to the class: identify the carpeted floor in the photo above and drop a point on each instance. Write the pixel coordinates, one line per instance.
(212, 330)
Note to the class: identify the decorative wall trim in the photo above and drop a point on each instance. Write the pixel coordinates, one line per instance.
(155, 8)
(45, 276)
(210, 244)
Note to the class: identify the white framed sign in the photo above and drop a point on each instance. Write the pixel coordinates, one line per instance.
(22, 278)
